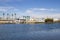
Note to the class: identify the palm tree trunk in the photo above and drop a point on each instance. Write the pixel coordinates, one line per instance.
(3, 16)
(7, 16)
(15, 16)
(12, 16)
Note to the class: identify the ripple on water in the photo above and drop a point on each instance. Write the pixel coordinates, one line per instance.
(30, 32)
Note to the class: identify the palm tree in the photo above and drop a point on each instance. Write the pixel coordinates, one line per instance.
(15, 15)
(24, 17)
(3, 15)
(7, 16)
(12, 16)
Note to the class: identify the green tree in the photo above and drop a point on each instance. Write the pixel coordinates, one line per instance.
(49, 20)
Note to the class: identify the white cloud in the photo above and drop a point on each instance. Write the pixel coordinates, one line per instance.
(41, 12)
(6, 9)
(34, 12)
(44, 9)
(28, 11)
(10, 10)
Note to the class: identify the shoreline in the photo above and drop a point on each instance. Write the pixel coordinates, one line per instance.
(31, 23)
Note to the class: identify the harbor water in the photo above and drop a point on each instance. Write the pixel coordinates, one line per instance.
(30, 31)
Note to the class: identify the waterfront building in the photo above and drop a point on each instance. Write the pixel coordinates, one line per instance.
(27, 18)
(31, 21)
(56, 20)
(40, 19)
(6, 21)
(22, 21)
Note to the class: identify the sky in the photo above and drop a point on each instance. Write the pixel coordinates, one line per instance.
(33, 8)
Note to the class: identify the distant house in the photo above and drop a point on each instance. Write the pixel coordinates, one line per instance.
(6, 21)
(22, 20)
(31, 21)
(26, 17)
(57, 20)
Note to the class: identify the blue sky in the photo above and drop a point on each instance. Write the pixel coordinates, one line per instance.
(36, 8)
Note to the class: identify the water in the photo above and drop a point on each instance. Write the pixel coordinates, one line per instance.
(30, 31)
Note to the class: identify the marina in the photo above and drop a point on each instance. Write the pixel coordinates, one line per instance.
(26, 20)
(29, 19)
